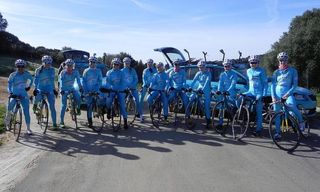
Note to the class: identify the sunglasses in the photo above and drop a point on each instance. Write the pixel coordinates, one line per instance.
(227, 66)
(253, 63)
(20, 67)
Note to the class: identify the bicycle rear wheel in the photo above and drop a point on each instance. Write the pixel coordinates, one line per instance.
(115, 117)
(240, 123)
(16, 123)
(190, 115)
(289, 138)
(44, 117)
(131, 109)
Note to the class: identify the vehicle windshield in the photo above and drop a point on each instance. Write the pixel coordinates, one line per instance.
(215, 74)
(77, 56)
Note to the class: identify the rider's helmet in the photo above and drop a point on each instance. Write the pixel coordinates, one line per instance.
(227, 62)
(160, 64)
(116, 61)
(254, 59)
(69, 62)
(126, 60)
(20, 63)
(283, 56)
(150, 61)
(46, 59)
(93, 59)
(201, 64)
(178, 62)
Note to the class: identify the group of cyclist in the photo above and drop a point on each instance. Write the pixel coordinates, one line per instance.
(156, 81)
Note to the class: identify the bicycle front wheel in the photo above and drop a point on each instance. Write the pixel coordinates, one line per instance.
(98, 118)
(219, 113)
(44, 117)
(155, 114)
(240, 123)
(287, 136)
(73, 112)
(16, 122)
(190, 115)
(131, 109)
(115, 117)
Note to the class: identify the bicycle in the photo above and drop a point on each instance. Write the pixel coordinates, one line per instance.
(97, 112)
(131, 106)
(289, 128)
(16, 116)
(155, 108)
(222, 110)
(194, 109)
(42, 112)
(72, 106)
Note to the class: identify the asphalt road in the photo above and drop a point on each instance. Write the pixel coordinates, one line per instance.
(147, 159)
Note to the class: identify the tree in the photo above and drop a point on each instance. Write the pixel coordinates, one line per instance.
(302, 43)
(3, 23)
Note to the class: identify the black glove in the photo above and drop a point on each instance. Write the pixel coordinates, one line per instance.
(61, 92)
(81, 90)
(171, 88)
(127, 91)
(27, 88)
(55, 92)
(200, 91)
(190, 90)
(218, 92)
(35, 92)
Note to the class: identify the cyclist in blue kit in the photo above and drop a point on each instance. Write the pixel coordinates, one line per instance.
(91, 82)
(284, 82)
(202, 82)
(146, 79)
(44, 83)
(67, 78)
(115, 79)
(19, 83)
(131, 81)
(158, 84)
(258, 86)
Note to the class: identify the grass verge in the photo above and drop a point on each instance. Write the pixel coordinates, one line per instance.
(318, 99)
(2, 114)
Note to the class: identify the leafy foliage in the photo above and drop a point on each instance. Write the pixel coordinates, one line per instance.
(302, 43)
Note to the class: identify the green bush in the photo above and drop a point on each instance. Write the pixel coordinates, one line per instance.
(2, 114)
(318, 99)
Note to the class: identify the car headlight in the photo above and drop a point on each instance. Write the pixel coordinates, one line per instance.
(299, 97)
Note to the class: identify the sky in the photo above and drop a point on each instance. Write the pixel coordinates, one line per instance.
(138, 26)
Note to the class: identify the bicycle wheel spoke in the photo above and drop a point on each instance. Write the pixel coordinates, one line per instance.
(240, 123)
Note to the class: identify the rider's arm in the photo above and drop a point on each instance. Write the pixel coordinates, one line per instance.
(10, 81)
(29, 77)
(36, 78)
(264, 80)
(294, 82)
(99, 78)
(233, 82)
(207, 83)
(84, 81)
(220, 84)
(78, 79)
(135, 78)
(273, 85)
(195, 79)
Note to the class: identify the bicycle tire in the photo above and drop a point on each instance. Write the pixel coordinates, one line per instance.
(154, 111)
(44, 116)
(17, 123)
(240, 123)
(218, 114)
(131, 108)
(190, 115)
(73, 112)
(98, 118)
(290, 135)
(115, 117)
